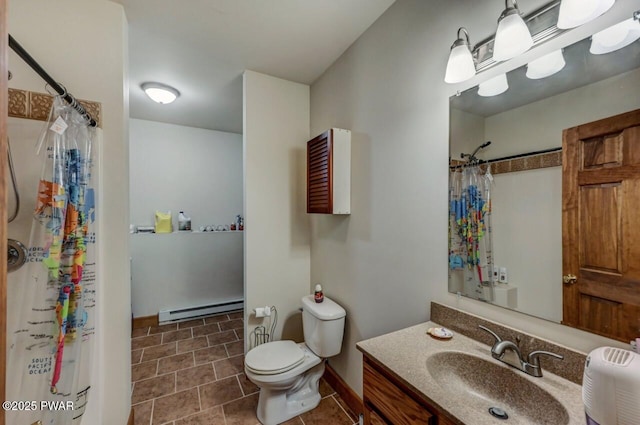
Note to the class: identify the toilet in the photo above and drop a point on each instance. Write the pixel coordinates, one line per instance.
(287, 373)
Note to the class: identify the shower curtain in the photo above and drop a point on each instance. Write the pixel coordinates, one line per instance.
(50, 351)
(470, 243)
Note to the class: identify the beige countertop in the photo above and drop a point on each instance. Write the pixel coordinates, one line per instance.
(405, 354)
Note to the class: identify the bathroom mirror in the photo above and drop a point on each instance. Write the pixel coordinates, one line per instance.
(523, 229)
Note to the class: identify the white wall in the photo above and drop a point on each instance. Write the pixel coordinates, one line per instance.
(276, 242)
(527, 237)
(184, 269)
(198, 171)
(388, 259)
(83, 44)
(539, 125)
(466, 133)
(188, 169)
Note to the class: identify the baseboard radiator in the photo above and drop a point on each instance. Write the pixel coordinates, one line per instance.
(167, 316)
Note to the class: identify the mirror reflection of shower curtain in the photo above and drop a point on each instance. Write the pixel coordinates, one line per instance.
(470, 240)
(50, 352)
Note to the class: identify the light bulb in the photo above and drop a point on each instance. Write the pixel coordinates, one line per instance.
(494, 86)
(615, 37)
(512, 36)
(160, 93)
(546, 66)
(460, 66)
(574, 13)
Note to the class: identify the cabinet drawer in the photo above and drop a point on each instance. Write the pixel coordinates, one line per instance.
(391, 401)
(372, 418)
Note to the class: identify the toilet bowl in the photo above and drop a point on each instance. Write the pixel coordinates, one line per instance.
(287, 373)
(287, 392)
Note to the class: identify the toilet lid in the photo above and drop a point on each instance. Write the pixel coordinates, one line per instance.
(274, 357)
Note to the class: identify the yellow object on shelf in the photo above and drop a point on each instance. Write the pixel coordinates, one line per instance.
(163, 222)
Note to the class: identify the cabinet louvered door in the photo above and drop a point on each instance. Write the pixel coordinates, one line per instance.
(319, 174)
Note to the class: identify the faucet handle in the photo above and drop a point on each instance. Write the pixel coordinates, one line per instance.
(495, 335)
(534, 359)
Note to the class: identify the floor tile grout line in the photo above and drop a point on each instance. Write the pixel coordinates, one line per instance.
(341, 408)
(199, 398)
(215, 372)
(153, 405)
(241, 389)
(224, 414)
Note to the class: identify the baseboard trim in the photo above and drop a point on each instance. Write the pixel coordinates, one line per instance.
(346, 393)
(144, 322)
(131, 420)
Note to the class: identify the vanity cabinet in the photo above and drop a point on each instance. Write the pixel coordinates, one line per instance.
(387, 401)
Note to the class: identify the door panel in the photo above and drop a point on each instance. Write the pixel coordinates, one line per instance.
(602, 152)
(600, 222)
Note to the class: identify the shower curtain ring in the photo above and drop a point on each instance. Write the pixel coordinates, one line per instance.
(49, 90)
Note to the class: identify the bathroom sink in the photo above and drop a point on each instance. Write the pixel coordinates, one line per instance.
(481, 384)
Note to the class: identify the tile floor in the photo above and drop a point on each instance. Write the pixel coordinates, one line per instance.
(191, 373)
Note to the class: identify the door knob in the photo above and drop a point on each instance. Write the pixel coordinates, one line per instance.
(569, 279)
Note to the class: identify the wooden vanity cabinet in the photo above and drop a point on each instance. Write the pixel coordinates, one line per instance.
(387, 401)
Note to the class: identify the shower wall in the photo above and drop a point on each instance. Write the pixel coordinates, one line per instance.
(23, 135)
(88, 55)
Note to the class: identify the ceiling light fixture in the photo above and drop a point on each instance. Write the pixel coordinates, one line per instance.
(615, 37)
(546, 65)
(494, 86)
(460, 66)
(160, 93)
(512, 36)
(574, 13)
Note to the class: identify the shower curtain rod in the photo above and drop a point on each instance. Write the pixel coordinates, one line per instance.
(505, 158)
(29, 60)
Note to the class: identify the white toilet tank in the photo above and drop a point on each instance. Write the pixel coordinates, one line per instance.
(323, 325)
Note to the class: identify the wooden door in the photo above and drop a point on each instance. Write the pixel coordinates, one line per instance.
(601, 226)
(4, 104)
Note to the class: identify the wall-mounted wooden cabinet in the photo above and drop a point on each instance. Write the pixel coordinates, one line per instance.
(329, 173)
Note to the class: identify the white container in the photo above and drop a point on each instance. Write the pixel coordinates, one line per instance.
(184, 222)
(611, 387)
(323, 326)
(506, 295)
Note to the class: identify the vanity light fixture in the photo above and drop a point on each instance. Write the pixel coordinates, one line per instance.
(494, 86)
(160, 93)
(616, 37)
(574, 13)
(546, 65)
(460, 66)
(512, 36)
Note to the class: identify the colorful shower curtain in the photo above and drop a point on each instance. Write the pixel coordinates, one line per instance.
(470, 243)
(50, 352)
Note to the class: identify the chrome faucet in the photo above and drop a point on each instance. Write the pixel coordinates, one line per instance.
(530, 366)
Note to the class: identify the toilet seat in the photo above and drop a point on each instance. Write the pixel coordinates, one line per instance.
(274, 358)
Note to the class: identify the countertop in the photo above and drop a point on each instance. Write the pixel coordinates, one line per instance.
(405, 353)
